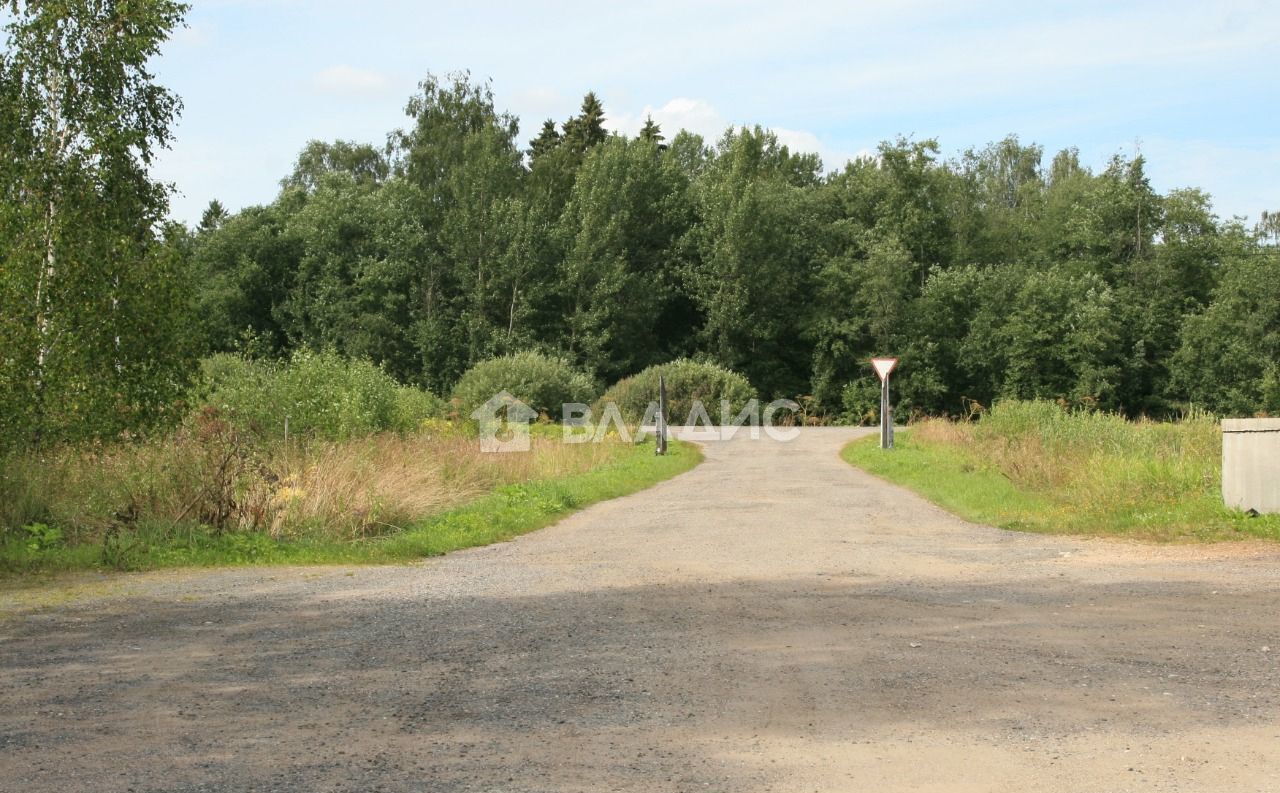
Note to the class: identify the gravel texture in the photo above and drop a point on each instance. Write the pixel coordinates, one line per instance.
(771, 621)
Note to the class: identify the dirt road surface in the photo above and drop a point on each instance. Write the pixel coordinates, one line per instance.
(771, 621)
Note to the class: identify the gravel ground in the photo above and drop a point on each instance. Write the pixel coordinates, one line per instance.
(771, 621)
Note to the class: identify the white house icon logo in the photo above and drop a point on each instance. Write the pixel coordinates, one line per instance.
(504, 423)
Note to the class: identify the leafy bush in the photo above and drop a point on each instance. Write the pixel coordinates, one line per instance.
(414, 408)
(861, 401)
(321, 394)
(542, 382)
(686, 381)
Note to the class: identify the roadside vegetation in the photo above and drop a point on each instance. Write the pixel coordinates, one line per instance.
(1036, 466)
(687, 381)
(368, 470)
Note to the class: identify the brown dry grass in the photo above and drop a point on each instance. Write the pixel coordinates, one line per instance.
(208, 473)
(371, 485)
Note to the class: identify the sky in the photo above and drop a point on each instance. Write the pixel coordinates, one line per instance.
(1191, 86)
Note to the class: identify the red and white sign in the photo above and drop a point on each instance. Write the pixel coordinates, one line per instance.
(884, 366)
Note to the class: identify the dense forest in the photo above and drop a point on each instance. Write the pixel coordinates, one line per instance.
(1005, 272)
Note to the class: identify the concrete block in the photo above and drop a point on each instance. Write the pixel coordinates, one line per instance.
(1251, 464)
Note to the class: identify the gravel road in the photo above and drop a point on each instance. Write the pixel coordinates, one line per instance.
(771, 621)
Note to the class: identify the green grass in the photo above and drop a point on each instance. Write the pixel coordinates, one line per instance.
(946, 477)
(506, 512)
(1035, 467)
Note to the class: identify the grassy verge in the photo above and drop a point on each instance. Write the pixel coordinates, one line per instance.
(505, 496)
(1035, 467)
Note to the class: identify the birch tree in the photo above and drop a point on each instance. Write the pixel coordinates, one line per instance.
(84, 280)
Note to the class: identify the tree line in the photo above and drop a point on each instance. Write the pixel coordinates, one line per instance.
(1000, 273)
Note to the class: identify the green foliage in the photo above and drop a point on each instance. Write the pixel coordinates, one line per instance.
(625, 216)
(860, 400)
(1002, 273)
(542, 382)
(41, 537)
(353, 282)
(748, 275)
(686, 381)
(92, 305)
(461, 158)
(321, 394)
(319, 160)
(1229, 360)
(993, 276)
(243, 269)
(1060, 340)
(865, 295)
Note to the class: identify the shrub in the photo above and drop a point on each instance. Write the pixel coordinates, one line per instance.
(542, 382)
(861, 401)
(321, 394)
(414, 408)
(686, 381)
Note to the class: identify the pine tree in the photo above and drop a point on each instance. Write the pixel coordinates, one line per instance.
(651, 131)
(214, 216)
(587, 128)
(547, 140)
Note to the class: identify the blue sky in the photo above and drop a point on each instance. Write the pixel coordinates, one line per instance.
(1191, 85)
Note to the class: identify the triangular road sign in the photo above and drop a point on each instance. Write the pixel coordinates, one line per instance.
(884, 366)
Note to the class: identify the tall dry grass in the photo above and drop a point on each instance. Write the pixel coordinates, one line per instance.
(210, 473)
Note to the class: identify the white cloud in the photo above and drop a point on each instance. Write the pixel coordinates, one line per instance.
(694, 115)
(348, 81)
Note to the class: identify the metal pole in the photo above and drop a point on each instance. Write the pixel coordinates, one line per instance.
(662, 415)
(888, 410)
(886, 421)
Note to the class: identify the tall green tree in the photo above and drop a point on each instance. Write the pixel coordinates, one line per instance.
(651, 131)
(92, 312)
(1004, 195)
(1229, 358)
(1160, 288)
(587, 128)
(548, 139)
(627, 213)
(862, 304)
(242, 273)
(356, 276)
(1062, 340)
(750, 259)
(461, 155)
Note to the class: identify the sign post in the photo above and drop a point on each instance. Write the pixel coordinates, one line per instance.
(661, 445)
(883, 367)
